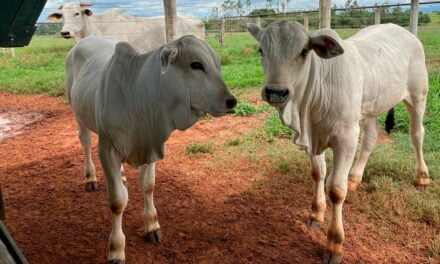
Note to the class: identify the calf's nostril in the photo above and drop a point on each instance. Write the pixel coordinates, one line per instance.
(231, 103)
(65, 33)
(277, 92)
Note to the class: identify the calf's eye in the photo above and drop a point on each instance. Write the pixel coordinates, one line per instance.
(76, 14)
(197, 66)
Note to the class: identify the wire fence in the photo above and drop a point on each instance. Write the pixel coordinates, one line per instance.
(230, 31)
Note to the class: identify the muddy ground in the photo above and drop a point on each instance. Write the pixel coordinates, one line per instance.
(209, 211)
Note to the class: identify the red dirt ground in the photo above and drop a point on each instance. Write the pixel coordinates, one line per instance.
(208, 210)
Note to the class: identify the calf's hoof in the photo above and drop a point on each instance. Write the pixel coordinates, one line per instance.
(154, 236)
(116, 261)
(423, 182)
(331, 258)
(352, 186)
(91, 186)
(314, 224)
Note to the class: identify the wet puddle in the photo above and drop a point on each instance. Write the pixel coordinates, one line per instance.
(12, 123)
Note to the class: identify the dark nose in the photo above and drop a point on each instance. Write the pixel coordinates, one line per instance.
(275, 95)
(65, 33)
(231, 103)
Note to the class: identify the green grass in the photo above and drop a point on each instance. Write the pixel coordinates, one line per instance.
(434, 248)
(38, 68)
(233, 142)
(245, 109)
(274, 128)
(199, 148)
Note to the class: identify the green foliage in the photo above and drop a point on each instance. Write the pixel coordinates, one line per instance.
(199, 148)
(262, 11)
(48, 29)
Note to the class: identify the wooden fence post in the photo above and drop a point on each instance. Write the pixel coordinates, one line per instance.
(258, 21)
(222, 32)
(377, 16)
(306, 20)
(170, 19)
(324, 13)
(414, 19)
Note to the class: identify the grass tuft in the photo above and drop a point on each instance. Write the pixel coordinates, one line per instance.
(434, 248)
(199, 148)
(274, 128)
(245, 109)
(233, 142)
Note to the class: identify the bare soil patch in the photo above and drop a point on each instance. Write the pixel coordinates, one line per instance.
(210, 211)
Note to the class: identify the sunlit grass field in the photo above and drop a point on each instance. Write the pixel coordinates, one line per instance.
(387, 194)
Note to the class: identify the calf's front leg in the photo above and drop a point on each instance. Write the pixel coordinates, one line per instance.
(336, 187)
(117, 198)
(147, 180)
(318, 204)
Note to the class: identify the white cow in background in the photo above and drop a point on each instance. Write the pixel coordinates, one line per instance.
(133, 102)
(326, 88)
(10, 51)
(146, 33)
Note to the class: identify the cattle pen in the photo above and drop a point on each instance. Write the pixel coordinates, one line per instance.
(232, 189)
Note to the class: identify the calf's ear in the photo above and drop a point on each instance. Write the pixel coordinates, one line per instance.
(254, 29)
(54, 16)
(167, 56)
(325, 46)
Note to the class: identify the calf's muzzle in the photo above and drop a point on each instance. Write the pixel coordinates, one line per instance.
(275, 95)
(65, 34)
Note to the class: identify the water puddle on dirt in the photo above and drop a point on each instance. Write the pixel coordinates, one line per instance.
(12, 123)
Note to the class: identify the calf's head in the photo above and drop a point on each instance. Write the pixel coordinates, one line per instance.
(286, 51)
(190, 70)
(73, 16)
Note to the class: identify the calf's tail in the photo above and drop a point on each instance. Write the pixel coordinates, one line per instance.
(389, 121)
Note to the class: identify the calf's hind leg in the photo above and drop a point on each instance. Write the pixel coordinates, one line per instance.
(369, 136)
(85, 137)
(416, 109)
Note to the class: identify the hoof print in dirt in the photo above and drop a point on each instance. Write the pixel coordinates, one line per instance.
(154, 236)
(91, 186)
(331, 258)
(116, 261)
